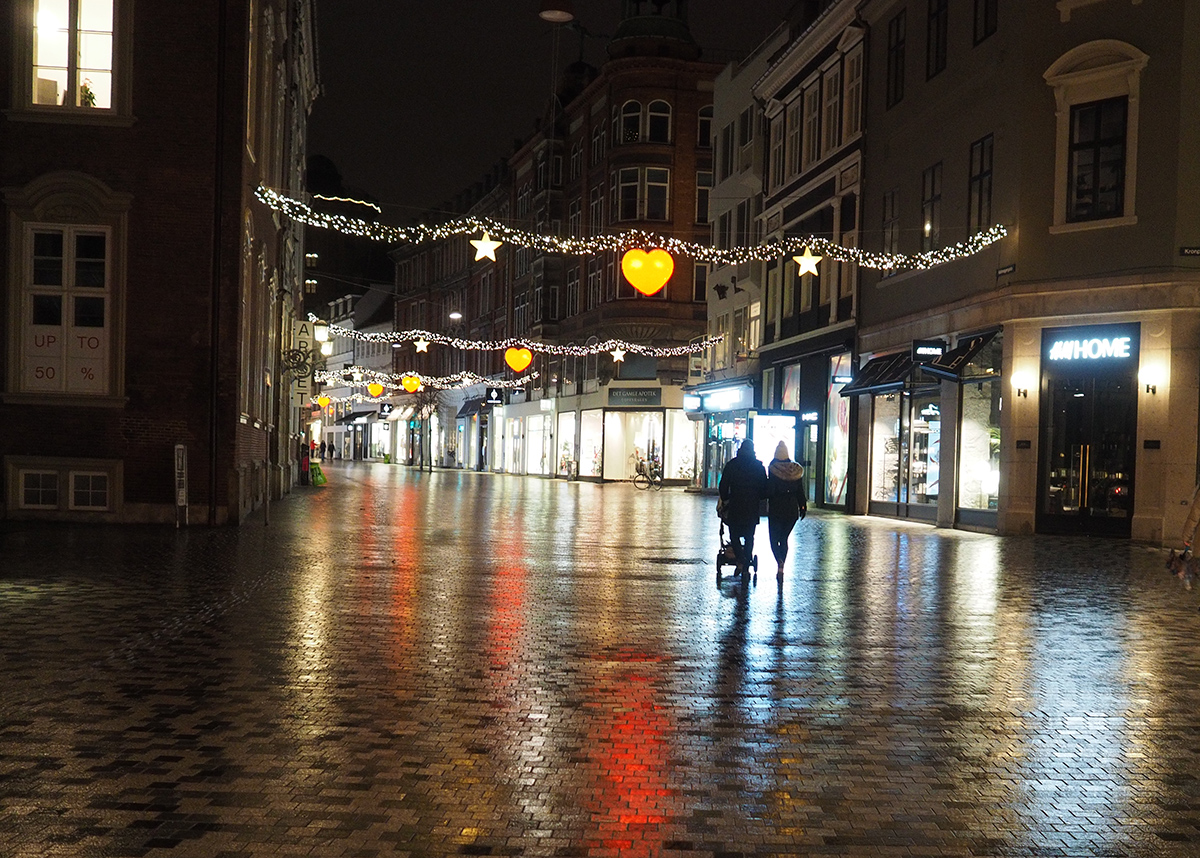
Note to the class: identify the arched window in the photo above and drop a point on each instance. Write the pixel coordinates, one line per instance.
(659, 122)
(631, 122)
(1096, 94)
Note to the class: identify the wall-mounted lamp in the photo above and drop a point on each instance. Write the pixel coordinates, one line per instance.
(1151, 377)
(1021, 383)
(557, 11)
(321, 332)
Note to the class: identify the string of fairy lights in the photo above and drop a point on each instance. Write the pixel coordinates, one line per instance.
(359, 375)
(496, 233)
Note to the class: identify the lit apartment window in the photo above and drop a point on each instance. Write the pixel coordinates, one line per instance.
(73, 50)
(630, 122)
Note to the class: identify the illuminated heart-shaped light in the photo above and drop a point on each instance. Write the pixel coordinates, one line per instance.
(518, 359)
(323, 401)
(410, 383)
(647, 272)
(375, 388)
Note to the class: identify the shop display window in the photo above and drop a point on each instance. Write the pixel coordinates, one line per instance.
(979, 434)
(725, 435)
(537, 439)
(837, 431)
(886, 453)
(925, 445)
(679, 453)
(591, 442)
(630, 437)
(566, 443)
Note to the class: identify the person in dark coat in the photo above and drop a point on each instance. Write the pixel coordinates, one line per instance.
(787, 502)
(743, 484)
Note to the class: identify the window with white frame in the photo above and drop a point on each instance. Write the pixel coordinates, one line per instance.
(594, 283)
(931, 207)
(642, 193)
(89, 491)
(700, 281)
(599, 136)
(746, 123)
(572, 287)
(773, 295)
(979, 189)
(576, 167)
(39, 489)
(596, 208)
(832, 109)
(812, 124)
(66, 318)
(575, 218)
(658, 193)
(795, 145)
(777, 131)
(852, 113)
(891, 221)
(73, 51)
(726, 154)
(1097, 107)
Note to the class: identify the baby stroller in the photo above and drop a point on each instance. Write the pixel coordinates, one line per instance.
(727, 553)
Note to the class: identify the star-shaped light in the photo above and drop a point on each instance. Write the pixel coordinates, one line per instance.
(808, 262)
(618, 354)
(485, 247)
(422, 345)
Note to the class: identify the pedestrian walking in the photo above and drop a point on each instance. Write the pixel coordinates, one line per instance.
(323, 449)
(742, 487)
(787, 502)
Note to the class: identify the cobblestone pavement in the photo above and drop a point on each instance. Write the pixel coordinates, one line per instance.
(414, 664)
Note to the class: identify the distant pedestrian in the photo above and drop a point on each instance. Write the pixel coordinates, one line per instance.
(742, 487)
(787, 502)
(324, 447)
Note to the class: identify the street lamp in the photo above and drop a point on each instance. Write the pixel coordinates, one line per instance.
(557, 11)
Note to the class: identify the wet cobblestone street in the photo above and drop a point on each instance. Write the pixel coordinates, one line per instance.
(403, 664)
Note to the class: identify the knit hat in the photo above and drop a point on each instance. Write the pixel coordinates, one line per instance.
(781, 452)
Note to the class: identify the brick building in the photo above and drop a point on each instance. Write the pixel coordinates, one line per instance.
(147, 297)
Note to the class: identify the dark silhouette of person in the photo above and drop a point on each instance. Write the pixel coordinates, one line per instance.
(743, 485)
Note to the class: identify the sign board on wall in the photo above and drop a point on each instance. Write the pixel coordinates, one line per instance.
(302, 338)
(1090, 348)
(632, 397)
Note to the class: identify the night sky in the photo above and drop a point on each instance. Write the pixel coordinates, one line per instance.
(419, 98)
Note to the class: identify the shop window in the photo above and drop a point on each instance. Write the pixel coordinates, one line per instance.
(59, 485)
(1097, 106)
(837, 430)
(70, 283)
(887, 452)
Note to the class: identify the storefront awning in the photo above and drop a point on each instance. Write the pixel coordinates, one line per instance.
(954, 363)
(472, 406)
(880, 375)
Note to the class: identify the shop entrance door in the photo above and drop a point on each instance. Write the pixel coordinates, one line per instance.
(1089, 429)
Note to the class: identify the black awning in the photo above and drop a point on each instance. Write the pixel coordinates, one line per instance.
(954, 363)
(472, 406)
(880, 375)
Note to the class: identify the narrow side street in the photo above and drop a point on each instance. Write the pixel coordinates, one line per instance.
(406, 663)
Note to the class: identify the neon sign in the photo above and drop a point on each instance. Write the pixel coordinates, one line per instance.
(1095, 348)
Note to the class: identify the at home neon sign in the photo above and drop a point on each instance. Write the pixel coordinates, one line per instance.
(1091, 349)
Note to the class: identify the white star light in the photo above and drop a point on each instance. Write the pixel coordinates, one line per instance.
(422, 345)
(808, 262)
(485, 247)
(618, 354)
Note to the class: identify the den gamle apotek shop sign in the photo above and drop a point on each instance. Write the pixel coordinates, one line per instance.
(635, 396)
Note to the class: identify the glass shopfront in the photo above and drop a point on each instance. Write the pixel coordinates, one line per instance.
(591, 442)
(1088, 429)
(979, 429)
(837, 431)
(566, 444)
(906, 451)
(630, 436)
(537, 444)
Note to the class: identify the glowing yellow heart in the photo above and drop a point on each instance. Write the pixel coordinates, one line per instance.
(518, 359)
(375, 388)
(647, 272)
(410, 383)
(323, 401)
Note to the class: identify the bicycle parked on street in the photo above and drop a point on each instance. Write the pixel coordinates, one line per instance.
(647, 474)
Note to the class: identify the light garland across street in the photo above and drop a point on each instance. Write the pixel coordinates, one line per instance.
(359, 376)
(301, 211)
(422, 339)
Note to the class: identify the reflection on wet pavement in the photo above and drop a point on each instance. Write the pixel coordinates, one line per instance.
(457, 663)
